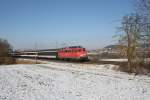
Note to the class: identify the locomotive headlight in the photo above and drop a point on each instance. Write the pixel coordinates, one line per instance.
(83, 55)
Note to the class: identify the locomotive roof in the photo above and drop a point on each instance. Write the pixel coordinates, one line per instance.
(72, 47)
(75, 47)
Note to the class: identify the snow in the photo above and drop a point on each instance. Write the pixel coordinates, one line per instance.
(115, 60)
(68, 81)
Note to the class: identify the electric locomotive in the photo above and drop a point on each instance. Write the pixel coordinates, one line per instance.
(73, 52)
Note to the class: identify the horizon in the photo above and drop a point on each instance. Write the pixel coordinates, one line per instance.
(27, 24)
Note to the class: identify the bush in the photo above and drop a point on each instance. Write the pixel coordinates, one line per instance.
(5, 52)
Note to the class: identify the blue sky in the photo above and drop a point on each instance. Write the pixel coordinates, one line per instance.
(90, 23)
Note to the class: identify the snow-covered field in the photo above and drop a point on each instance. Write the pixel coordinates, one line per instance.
(67, 81)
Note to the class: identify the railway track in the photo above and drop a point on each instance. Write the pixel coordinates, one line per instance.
(90, 61)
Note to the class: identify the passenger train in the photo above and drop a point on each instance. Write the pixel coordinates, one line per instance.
(66, 53)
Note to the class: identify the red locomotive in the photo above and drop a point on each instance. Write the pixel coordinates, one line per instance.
(73, 52)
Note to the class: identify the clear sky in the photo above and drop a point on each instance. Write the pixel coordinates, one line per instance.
(47, 23)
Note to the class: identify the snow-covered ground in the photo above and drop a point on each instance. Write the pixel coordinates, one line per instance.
(114, 60)
(67, 81)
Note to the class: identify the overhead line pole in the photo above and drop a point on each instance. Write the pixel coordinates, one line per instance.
(36, 53)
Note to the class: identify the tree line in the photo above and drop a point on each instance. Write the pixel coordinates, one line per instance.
(5, 52)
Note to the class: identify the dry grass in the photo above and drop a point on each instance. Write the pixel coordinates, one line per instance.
(26, 62)
(139, 69)
(7, 60)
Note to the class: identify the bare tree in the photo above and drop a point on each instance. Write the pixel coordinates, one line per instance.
(136, 29)
(143, 7)
(131, 28)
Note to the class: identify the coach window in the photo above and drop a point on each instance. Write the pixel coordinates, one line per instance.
(83, 49)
